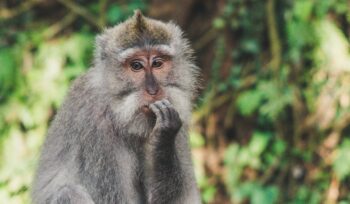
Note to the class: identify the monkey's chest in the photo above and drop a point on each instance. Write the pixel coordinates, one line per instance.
(117, 179)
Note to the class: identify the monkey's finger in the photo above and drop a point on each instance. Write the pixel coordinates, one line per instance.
(159, 106)
(167, 102)
(163, 111)
(171, 109)
(167, 111)
(156, 111)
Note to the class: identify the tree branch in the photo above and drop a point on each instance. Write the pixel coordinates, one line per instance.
(10, 13)
(275, 42)
(77, 9)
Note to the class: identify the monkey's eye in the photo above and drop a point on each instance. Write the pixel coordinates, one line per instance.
(136, 66)
(157, 63)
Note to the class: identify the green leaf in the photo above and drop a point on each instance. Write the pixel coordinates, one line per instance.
(250, 46)
(341, 164)
(219, 23)
(249, 101)
(265, 195)
(303, 9)
(276, 99)
(258, 143)
(245, 191)
(208, 193)
(279, 146)
(114, 14)
(8, 71)
(196, 139)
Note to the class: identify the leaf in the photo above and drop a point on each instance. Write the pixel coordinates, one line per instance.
(8, 71)
(341, 163)
(276, 99)
(245, 191)
(259, 142)
(231, 154)
(114, 14)
(249, 101)
(250, 46)
(219, 23)
(279, 146)
(303, 9)
(196, 139)
(208, 193)
(265, 195)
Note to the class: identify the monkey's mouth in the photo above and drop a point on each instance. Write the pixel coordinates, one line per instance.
(145, 109)
(148, 112)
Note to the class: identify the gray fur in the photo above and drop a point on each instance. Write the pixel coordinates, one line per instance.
(98, 148)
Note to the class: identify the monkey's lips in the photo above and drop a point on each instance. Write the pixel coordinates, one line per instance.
(146, 110)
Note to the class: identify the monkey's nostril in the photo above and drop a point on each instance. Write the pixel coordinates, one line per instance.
(152, 91)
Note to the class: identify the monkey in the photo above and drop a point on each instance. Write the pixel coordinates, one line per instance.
(121, 134)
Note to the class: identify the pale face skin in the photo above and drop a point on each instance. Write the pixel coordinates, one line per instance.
(146, 68)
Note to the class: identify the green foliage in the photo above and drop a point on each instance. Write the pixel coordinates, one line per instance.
(25, 117)
(257, 193)
(249, 101)
(341, 163)
(196, 140)
(116, 13)
(267, 98)
(207, 189)
(253, 156)
(289, 84)
(306, 195)
(219, 23)
(8, 74)
(34, 77)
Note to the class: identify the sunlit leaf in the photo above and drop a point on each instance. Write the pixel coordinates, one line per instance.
(249, 101)
(341, 163)
(265, 195)
(259, 142)
(196, 139)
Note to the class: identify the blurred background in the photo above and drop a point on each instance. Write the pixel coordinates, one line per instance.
(271, 123)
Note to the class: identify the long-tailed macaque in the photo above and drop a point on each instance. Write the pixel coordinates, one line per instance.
(121, 133)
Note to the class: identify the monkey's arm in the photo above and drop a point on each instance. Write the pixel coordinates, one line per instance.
(171, 177)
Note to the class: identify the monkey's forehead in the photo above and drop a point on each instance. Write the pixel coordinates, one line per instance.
(141, 31)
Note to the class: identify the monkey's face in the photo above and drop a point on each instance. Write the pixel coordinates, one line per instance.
(150, 71)
(143, 61)
(142, 75)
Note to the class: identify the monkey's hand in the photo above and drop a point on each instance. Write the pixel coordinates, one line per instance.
(168, 122)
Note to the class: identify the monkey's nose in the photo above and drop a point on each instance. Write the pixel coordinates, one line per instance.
(152, 90)
(151, 84)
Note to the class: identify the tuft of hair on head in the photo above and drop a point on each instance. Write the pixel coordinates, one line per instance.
(140, 22)
(139, 29)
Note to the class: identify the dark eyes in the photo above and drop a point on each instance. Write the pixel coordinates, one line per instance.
(157, 63)
(136, 66)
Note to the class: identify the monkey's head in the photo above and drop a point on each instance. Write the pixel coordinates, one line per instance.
(142, 61)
